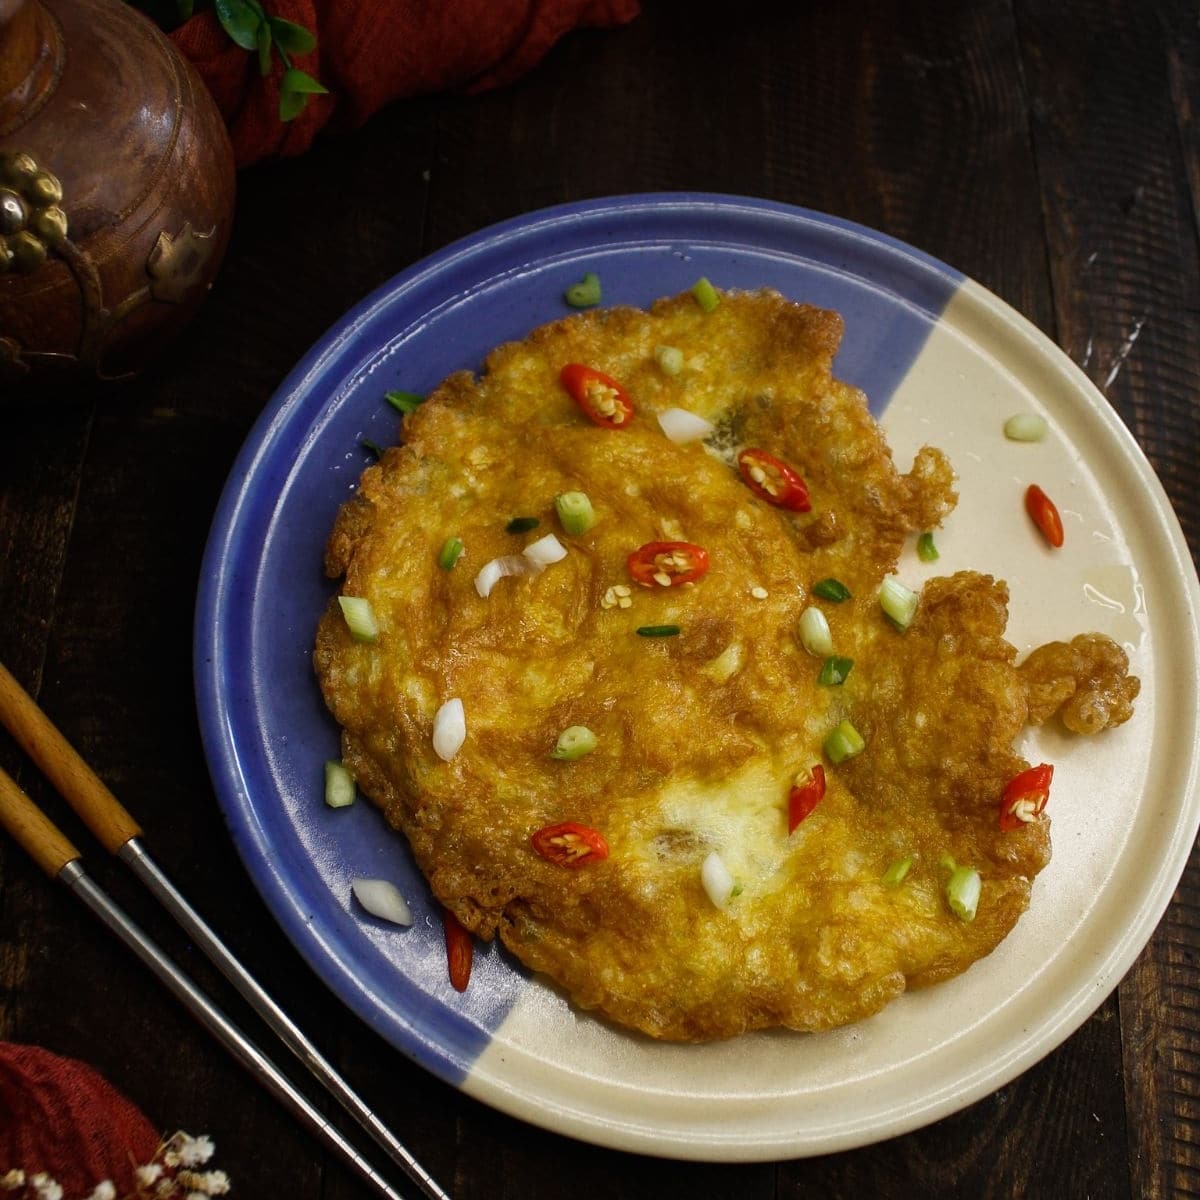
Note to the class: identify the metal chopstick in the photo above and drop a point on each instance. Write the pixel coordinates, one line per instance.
(59, 858)
(119, 832)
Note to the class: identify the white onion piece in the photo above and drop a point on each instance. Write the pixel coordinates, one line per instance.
(545, 551)
(718, 882)
(682, 426)
(815, 635)
(492, 572)
(449, 729)
(382, 899)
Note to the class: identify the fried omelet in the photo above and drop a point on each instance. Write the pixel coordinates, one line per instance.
(700, 736)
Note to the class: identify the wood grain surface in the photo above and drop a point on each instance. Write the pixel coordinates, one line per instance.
(1047, 148)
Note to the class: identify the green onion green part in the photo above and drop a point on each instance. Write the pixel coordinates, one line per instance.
(947, 863)
(404, 402)
(834, 671)
(844, 742)
(814, 632)
(574, 742)
(450, 553)
(899, 602)
(1025, 427)
(359, 618)
(339, 785)
(585, 293)
(658, 631)
(962, 892)
(926, 550)
(705, 294)
(522, 524)
(669, 359)
(575, 512)
(894, 875)
(831, 589)
(371, 447)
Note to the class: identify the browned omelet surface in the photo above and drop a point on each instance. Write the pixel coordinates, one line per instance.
(700, 736)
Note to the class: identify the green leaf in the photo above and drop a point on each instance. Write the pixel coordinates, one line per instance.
(295, 80)
(264, 49)
(240, 19)
(291, 105)
(290, 37)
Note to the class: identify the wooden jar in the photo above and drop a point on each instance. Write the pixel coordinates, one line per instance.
(116, 190)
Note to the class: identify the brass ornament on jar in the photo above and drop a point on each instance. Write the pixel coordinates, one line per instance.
(32, 223)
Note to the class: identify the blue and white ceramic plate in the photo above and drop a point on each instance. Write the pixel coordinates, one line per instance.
(943, 361)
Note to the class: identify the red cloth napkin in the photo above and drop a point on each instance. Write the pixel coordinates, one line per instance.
(371, 52)
(59, 1116)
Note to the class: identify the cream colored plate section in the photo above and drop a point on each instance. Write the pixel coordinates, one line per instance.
(1125, 806)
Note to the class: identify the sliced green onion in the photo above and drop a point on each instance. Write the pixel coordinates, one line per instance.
(585, 293)
(926, 550)
(521, 524)
(669, 359)
(404, 402)
(381, 898)
(834, 671)
(814, 632)
(899, 602)
(947, 863)
(544, 551)
(371, 447)
(894, 875)
(831, 589)
(682, 426)
(450, 553)
(575, 512)
(339, 785)
(706, 295)
(962, 892)
(658, 631)
(360, 618)
(1025, 427)
(574, 742)
(718, 883)
(844, 742)
(449, 729)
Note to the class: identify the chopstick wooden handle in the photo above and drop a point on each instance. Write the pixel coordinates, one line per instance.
(58, 760)
(46, 845)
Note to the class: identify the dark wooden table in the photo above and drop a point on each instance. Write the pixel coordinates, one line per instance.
(1047, 148)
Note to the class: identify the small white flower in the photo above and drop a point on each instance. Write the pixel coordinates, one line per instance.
(44, 1187)
(104, 1190)
(216, 1183)
(11, 1180)
(195, 1151)
(147, 1174)
(166, 1187)
(206, 1183)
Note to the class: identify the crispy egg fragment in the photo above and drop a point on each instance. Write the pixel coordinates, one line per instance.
(699, 736)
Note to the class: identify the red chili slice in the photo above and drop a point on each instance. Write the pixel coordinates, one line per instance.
(603, 400)
(460, 951)
(773, 480)
(1025, 797)
(805, 796)
(1045, 516)
(570, 844)
(667, 564)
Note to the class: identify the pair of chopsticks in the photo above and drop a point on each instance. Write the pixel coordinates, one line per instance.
(120, 834)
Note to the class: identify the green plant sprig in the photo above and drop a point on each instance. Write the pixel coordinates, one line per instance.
(252, 28)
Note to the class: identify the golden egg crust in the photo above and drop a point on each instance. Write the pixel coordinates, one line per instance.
(700, 736)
